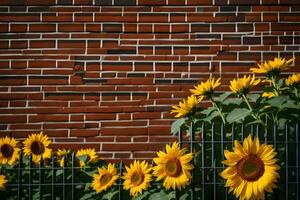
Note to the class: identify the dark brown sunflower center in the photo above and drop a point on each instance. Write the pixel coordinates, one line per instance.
(137, 178)
(7, 150)
(105, 179)
(250, 168)
(37, 148)
(173, 167)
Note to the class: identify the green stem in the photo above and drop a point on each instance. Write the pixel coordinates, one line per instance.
(276, 89)
(254, 115)
(219, 110)
(297, 93)
(247, 102)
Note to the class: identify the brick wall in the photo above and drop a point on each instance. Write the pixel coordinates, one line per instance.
(103, 73)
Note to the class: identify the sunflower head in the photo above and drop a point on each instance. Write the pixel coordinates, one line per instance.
(105, 178)
(36, 145)
(173, 167)
(186, 107)
(61, 154)
(3, 181)
(293, 80)
(251, 169)
(206, 88)
(9, 151)
(137, 177)
(268, 95)
(272, 68)
(89, 156)
(242, 86)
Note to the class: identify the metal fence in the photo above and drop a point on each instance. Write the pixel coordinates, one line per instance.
(214, 138)
(32, 183)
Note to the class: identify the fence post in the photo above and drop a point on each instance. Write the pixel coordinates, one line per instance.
(53, 180)
(120, 180)
(192, 140)
(20, 176)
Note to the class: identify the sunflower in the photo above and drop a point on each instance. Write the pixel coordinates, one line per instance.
(3, 181)
(173, 167)
(251, 170)
(137, 177)
(186, 107)
(268, 95)
(61, 154)
(36, 146)
(273, 68)
(105, 178)
(293, 80)
(243, 85)
(89, 153)
(9, 152)
(206, 88)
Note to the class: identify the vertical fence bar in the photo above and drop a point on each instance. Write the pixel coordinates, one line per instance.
(41, 179)
(266, 132)
(297, 161)
(202, 162)
(192, 140)
(213, 160)
(64, 179)
(232, 133)
(223, 138)
(20, 170)
(30, 178)
(286, 161)
(243, 131)
(180, 146)
(120, 180)
(73, 177)
(276, 192)
(53, 180)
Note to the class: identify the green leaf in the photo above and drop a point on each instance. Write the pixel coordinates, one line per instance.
(88, 196)
(253, 97)
(176, 125)
(237, 114)
(224, 96)
(185, 196)
(162, 195)
(277, 101)
(87, 187)
(83, 158)
(142, 196)
(291, 104)
(233, 101)
(211, 116)
(208, 110)
(91, 173)
(110, 195)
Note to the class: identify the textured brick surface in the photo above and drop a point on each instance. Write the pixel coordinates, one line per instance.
(104, 73)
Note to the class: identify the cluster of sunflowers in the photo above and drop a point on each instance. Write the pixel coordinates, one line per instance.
(252, 167)
(277, 92)
(172, 166)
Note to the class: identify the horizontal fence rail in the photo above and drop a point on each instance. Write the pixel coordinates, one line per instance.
(207, 142)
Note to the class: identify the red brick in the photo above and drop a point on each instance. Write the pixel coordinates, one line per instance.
(48, 118)
(13, 119)
(71, 27)
(84, 133)
(42, 27)
(42, 44)
(121, 131)
(132, 147)
(97, 117)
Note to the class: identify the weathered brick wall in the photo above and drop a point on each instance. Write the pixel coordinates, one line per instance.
(103, 73)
